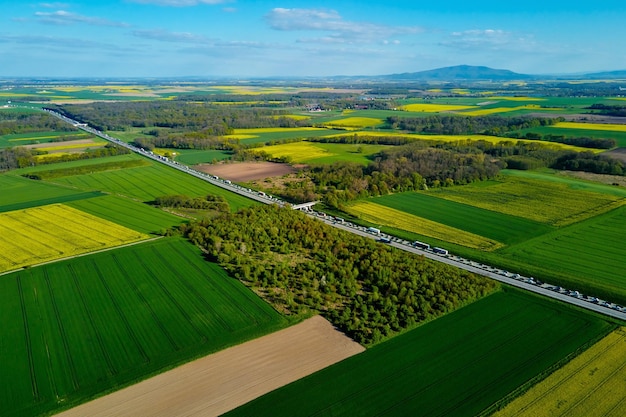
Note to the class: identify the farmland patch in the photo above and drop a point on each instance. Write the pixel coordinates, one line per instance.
(381, 215)
(552, 203)
(490, 224)
(590, 385)
(461, 364)
(42, 234)
(247, 171)
(82, 327)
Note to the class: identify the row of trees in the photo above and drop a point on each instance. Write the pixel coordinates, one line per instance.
(466, 125)
(368, 290)
(210, 202)
(181, 116)
(20, 157)
(14, 123)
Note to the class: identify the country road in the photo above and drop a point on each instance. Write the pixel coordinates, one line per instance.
(516, 280)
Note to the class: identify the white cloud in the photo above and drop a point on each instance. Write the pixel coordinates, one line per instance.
(168, 36)
(61, 17)
(179, 3)
(490, 39)
(54, 5)
(341, 31)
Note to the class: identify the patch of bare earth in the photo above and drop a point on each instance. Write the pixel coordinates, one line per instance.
(602, 178)
(246, 171)
(225, 380)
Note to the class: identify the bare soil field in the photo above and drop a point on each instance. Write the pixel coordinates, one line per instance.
(225, 380)
(246, 171)
(604, 179)
(619, 153)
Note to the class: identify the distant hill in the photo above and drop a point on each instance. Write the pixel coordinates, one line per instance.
(460, 73)
(606, 75)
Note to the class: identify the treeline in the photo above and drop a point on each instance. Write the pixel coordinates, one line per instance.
(609, 110)
(13, 123)
(583, 141)
(182, 116)
(465, 125)
(589, 162)
(299, 264)
(20, 157)
(215, 202)
(186, 141)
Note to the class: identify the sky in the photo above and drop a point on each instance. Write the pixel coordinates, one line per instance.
(266, 38)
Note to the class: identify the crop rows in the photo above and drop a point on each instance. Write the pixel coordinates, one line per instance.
(490, 224)
(540, 201)
(42, 234)
(460, 364)
(87, 325)
(378, 214)
(591, 384)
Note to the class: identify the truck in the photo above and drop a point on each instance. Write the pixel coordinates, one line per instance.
(373, 230)
(421, 245)
(440, 251)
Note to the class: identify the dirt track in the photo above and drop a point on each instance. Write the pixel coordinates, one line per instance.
(220, 382)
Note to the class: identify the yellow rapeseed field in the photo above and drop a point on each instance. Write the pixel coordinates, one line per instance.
(434, 108)
(296, 151)
(592, 384)
(377, 214)
(274, 130)
(355, 122)
(483, 112)
(591, 126)
(42, 234)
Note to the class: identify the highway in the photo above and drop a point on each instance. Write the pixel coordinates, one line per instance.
(516, 280)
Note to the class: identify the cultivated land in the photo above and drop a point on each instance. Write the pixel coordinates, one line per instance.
(461, 364)
(323, 153)
(590, 385)
(78, 328)
(220, 382)
(142, 183)
(42, 234)
(247, 171)
(379, 214)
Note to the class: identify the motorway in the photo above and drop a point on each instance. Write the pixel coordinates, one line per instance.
(516, 280)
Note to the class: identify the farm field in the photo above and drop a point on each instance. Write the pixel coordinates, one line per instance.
(20, 193)
(383, 215)
(143, 183)
(434, 108)
(219, 382)
(253, 136)
(591, 126)
(589, 254)
(549, 202)
(355, 122)
(592, 384)
(128, 213)
(75, 329)
(323, 153)
(490, 224)
(460, 364)
(194, 157)
(42, 234)
(22, 139)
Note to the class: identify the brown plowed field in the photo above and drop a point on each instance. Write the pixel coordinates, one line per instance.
(225, 380)
(247, 171)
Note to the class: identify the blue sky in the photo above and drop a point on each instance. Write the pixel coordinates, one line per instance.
(240, 38)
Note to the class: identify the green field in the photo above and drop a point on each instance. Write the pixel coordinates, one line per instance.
(20, 193)
(458, 365)
(620, 137)
(193, 157)
(143, 183)
(75, 329)
(501, 227)
(324, 153)
(263, 137)
(40, 137)
(590, 255)
(132, 214)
